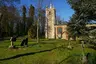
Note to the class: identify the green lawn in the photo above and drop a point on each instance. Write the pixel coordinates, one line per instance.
(44, 52)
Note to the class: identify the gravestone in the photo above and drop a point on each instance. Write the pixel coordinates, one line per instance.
(24, 42)
(12, 39)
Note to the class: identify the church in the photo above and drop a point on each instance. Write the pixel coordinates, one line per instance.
(53, 31)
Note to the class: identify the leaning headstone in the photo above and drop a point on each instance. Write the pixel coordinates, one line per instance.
(24, 42)
(84, 60)
(69, 46)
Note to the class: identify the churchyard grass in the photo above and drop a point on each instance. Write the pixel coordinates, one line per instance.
(44, 52)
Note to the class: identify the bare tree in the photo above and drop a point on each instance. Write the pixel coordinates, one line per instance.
(40, 2)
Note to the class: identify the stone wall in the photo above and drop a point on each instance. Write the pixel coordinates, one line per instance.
(62, 33)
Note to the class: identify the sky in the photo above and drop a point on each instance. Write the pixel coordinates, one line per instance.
(63, 9)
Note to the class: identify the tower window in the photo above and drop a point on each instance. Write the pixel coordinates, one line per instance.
(49, 13)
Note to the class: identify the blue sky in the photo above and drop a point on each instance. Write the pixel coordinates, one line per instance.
(63, 9)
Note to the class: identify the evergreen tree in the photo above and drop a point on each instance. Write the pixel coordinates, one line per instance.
(84, 13)
(24, 19)
(76, 27)
(8, 17)
(84, 8)
(31, 23)
(31, 14)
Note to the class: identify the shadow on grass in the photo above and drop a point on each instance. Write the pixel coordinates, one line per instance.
(26, 54)
(64, 59)
(69, 58)
(3, 46)
(33, 44)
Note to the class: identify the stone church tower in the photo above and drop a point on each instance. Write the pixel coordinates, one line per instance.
(50, 21)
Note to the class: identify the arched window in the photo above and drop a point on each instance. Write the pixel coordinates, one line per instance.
(59, 30)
